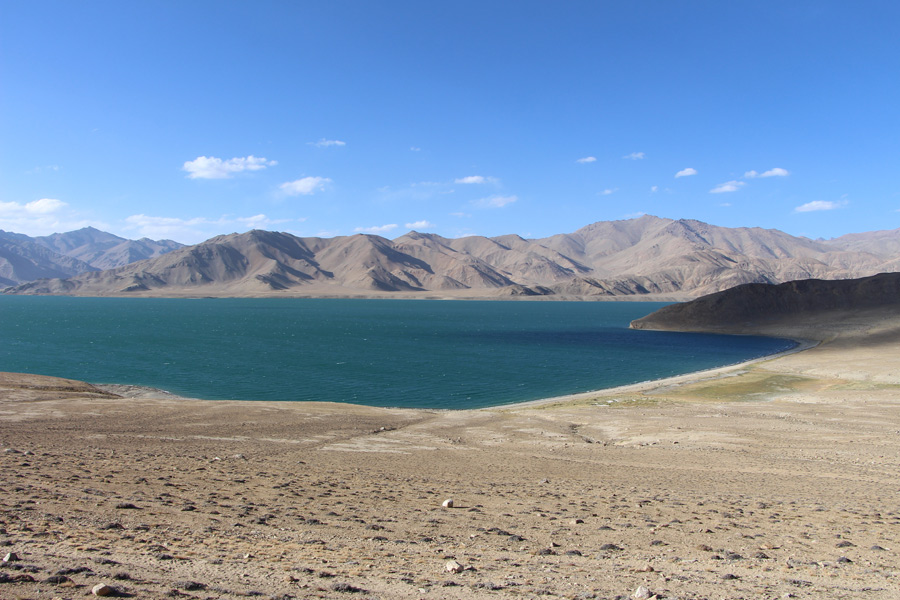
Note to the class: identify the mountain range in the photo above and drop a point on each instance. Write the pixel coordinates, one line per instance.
(649, 257)
(61, 255)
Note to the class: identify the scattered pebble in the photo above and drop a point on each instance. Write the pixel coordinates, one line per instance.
(101, 589)
(453, 567)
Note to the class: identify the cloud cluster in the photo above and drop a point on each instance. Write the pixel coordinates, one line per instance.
(323, 143)
(776, 172)
(817, 205)
(734, 185)
(304, 186)
(475, 179)
(44, 206)
(377, 229)
(729, 186)
(420, 225)
(634, 156)
(210, 167)
(495, 201)
(197, 229)
(686, 172)
(40, 217)
(586, 160)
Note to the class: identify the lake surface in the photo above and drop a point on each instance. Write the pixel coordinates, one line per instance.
(421, 353)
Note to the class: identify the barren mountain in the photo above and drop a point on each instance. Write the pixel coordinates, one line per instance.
(24, 258)
(881, 243)
(104, 250)
(648, 257)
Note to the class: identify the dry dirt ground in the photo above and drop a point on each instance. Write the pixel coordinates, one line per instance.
(774, 480)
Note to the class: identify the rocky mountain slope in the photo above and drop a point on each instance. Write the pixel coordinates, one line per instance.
(647, 257)
(758, 306)
(24, 258)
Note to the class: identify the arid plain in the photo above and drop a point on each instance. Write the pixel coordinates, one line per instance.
(777, 479)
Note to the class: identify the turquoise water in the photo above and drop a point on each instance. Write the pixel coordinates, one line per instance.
(425, 354)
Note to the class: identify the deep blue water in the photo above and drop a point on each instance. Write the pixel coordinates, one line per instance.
(426, 354)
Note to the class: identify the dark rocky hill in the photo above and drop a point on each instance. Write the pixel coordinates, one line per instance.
(755, 306)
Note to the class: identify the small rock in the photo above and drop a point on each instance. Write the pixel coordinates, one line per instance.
(610, 547)
(453, 567)
(101, 589)
(10, 557)
(576, 522)
(125, 505)
(844, 559)
(346, 588)
(190, 586)
(448, 503)
(641, 593)
(844, 544)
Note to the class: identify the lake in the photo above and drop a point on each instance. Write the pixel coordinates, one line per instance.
(405, 353)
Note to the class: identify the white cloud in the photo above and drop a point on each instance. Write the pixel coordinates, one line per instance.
(654, 188)
(475, 179)
(776, 172)
(415, 148)
(587, 159)
(686, 172)
(728, 186)
(816, 205)
(210, 167)
(42, 217)
(323, 143)
(304, 186)
(419, 225)
(495, 201)
(634, 156)
(43, 169)
(197, 229)
(43, 206)
(13, 211)
(377, 229)
(609, 191)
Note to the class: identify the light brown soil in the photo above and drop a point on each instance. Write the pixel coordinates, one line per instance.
(778, 479)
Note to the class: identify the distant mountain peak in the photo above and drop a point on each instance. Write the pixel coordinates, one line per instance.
(647, 257)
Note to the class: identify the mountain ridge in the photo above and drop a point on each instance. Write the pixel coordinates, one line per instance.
(60, 255)
(647, 257)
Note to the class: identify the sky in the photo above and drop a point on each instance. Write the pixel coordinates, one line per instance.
(184, 120)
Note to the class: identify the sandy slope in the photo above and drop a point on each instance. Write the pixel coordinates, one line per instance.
(778, 479)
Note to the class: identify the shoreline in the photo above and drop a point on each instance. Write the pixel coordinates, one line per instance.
(641, 386)
(129, 391)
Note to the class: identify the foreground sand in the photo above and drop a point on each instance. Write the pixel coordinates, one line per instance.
(774, 480)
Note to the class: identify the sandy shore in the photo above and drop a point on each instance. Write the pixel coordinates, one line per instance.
(769, 480)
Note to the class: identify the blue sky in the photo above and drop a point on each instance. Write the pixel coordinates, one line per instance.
(185, 120)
